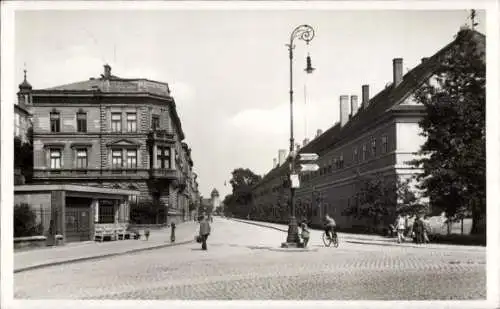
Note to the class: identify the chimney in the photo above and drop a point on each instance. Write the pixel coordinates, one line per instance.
(397, 71)
(281, 156)
(319, 132)
(275, 163)
(344, 109)
(354, 105)
(424, 59)
(107, 71)
(305, 142)
(365, 97)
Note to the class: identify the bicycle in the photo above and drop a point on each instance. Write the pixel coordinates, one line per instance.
(329, 240)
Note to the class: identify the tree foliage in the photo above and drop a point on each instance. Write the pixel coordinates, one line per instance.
(23, 155)
(454, 154)
(380, 199)
(25, 223)
(239, 202)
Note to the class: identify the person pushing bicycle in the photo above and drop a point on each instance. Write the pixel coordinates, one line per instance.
(329, 226)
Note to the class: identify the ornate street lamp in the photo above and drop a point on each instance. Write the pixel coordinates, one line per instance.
(305, 33)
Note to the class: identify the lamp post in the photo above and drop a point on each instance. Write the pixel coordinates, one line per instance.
(305, 33)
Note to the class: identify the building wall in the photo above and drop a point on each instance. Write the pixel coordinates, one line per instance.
(332, 188)
(101, 140)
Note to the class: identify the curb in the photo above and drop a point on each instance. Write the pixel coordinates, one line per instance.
(262, 225)
(97, 257)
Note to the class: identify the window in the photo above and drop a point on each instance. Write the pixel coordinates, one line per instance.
(374, 147)
(364, 152)
(384, 144)
(116, 122)
(355, 155)
(81, 122)
(131, 158)
(163, 156)
(155, 122)
(131, 122)
(81, 158)
(55, 158)
(116, 158)
(106, 211)
(55, 122)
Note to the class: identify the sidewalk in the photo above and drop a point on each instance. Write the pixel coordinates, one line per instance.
(369, 239)
(81, 251)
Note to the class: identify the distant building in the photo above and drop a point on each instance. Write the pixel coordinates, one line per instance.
(379, 136)
(22, 110)
(113, 132)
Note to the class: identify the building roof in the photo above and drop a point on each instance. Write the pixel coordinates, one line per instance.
(74, 188)
(389, 99)
(108, 84)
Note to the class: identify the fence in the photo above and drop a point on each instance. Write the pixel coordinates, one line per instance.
(30, 221)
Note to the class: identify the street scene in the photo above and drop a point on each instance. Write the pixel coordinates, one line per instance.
(244, 262)
(294, 155)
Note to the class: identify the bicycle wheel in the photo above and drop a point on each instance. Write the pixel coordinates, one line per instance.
(327, 241)
(335, 241)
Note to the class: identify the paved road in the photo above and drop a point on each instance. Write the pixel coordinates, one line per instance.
(245, 262)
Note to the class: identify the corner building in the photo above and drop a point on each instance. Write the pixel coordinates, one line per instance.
(380, 136)
(114, 132)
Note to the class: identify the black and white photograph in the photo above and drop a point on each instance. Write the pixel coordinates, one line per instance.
(250, 151)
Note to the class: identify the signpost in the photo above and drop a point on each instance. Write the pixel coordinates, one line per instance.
(308, 162)
(309, 167)
(308, 157)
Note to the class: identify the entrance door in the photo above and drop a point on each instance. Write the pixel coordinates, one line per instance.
(78, 219)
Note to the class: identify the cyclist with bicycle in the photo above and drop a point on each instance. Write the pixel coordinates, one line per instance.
(330, 226)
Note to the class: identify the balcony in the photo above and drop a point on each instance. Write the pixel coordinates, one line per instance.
(104, 173)
(164, 173)
(162, 136)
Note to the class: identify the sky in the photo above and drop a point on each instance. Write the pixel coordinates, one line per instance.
(229, 69)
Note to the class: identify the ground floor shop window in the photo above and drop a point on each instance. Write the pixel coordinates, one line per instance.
(106, 211)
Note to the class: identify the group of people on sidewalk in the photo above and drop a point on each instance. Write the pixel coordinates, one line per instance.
(417, 227)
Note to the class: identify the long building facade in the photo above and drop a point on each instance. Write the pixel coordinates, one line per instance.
(113, 132)
(378, 137)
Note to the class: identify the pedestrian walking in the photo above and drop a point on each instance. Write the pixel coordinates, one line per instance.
(427, 228)
(305, 233)
(418, 229)
(204, 232)
(146, 234)
(172, 232)
(400, 227)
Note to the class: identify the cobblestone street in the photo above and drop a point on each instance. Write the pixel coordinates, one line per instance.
(245, 261)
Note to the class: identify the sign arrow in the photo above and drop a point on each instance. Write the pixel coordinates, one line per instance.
(309, 167)
(308, 157)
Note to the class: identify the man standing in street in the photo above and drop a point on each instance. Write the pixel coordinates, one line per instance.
(204, 232)
(400, 226)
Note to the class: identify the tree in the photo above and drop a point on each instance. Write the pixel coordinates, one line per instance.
(25, 222)
(23, 155)
(242, 181)
(454, 153)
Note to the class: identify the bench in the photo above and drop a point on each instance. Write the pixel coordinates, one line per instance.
(101, 233)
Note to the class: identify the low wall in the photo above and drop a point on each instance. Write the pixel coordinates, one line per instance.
(35, 242)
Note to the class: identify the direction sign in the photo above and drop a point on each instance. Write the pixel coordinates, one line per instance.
(308, 157)
(309, 167)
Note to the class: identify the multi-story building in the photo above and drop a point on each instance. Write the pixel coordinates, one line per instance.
(380, 136)
(113, 132)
